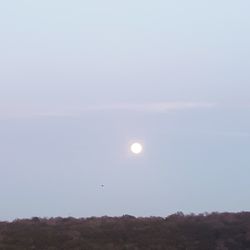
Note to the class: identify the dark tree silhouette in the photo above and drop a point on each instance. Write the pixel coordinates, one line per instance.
(225, 231)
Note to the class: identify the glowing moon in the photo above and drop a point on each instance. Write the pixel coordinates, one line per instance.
(136, 148)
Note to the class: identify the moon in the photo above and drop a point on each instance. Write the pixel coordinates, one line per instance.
(136, 148)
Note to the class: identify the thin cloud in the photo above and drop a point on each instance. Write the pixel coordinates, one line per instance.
(161, 107)
(235, 134)
(154, 107)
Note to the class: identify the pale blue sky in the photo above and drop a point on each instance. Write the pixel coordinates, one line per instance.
(80, 80)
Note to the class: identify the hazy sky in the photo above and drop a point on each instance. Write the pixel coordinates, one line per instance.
(81, 80)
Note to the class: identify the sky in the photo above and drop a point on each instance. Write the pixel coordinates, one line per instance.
(81, 80)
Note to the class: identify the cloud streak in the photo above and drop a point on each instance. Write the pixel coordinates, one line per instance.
(153, 107)
(158, 107)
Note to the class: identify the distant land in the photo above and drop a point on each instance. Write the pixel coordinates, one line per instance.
(214, 231)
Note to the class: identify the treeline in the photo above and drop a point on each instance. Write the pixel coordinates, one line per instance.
(215, 231)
